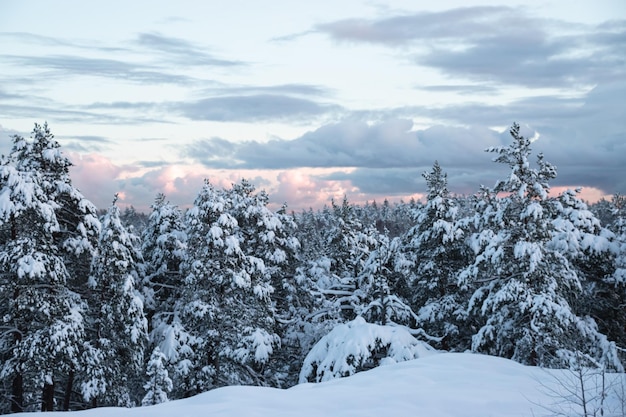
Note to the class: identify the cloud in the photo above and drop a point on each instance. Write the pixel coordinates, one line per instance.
(400, 30)
(6, 141)
(95, 176)
(85, 143)
(50, 42)
(62, 66)
(463, 89)
(281, 89)
(253, 108)
(180, 51)
(389, 144)
(583, 137)
(52, 111)
(498, 45)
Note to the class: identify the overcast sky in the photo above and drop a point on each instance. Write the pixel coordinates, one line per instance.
(314, 100)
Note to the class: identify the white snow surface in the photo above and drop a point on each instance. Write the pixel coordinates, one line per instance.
(439, 385)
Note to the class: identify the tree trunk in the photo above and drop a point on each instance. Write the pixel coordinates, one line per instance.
(17, 394)
(47, 397)
(68, 391)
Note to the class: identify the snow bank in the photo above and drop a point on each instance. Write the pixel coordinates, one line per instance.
(439, 385)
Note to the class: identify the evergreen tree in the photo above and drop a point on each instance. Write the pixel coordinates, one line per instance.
(524, 286)
(159, 383)
(44, 340)
(436, 252)
(348, 247)
(163, 249)
(381, 285)
(120, 325)
(590, 248)
(236, 249)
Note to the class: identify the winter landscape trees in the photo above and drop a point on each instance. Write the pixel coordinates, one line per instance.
(227, 292)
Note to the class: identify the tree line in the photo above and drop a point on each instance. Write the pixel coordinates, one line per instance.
(96, 312)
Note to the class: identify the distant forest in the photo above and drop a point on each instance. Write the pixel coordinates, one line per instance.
(120, 308)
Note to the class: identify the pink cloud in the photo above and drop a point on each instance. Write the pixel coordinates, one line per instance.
(587, 194)
(100, 179)
(94, 175)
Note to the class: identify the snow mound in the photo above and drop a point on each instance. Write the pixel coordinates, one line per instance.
(441, 385)
(357, 346)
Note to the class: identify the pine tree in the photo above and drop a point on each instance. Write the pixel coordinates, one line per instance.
(120, 326)
(349, 244)
(236, 249)
(525, 287)
(163, 249)
(78, 232)
(159, 383)
(44, 341)
(379, 296)
(590, 248)
(436, 252)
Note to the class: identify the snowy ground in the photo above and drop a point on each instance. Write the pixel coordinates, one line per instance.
(442, 384)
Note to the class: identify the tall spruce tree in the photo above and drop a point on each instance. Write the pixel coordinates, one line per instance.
(44, 342)
(436, 251)
(163, 249)
(525, 288)
(120, 325)
(236, 247)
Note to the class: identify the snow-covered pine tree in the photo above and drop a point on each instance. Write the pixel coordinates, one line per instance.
(120, 325)
(79, 228)
(159, 383)
(379, 297)
(524, 286)
(235, 249)
(590, 248)
(43, 337)
(336, 271)
(435, 250)
(163, 249)
(619, 228)
(334, 283)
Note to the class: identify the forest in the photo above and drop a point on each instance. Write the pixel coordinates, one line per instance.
(116, 308)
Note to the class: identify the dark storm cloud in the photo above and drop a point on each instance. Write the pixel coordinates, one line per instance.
(501, 45)
(181, 51)
(252, 108)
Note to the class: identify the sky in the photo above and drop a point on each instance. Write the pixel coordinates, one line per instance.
(312, 101)
(439, 385)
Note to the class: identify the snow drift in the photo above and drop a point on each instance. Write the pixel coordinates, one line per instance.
(439, 385)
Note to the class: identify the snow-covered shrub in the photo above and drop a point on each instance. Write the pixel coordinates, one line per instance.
(357, 346)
